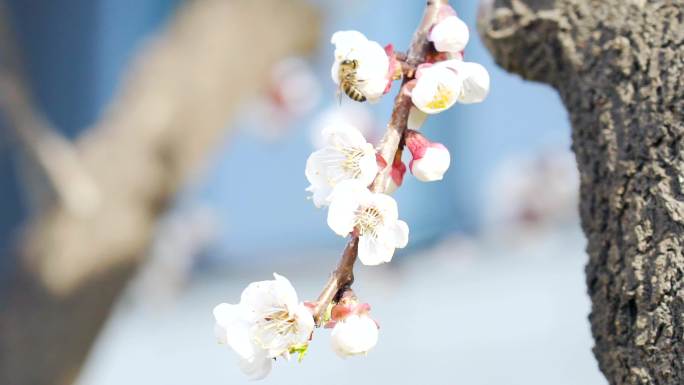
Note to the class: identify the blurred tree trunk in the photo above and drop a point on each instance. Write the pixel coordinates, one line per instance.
(619, 68)
(176, 99)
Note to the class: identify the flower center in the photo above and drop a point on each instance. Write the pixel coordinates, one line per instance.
(367, 220)
(280, 322)
(351, 163)
(441, 98)
(275, 331)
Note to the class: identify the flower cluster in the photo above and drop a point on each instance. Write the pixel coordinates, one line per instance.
(350, 177)
(443, 80)
(269, 322)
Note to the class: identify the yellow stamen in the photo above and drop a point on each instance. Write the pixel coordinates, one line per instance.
(442, 98)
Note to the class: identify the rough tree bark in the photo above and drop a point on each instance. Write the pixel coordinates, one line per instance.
(619, 68)
(174, 104)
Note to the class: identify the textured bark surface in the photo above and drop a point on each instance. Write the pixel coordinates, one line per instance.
(172, 109)
(619, 68)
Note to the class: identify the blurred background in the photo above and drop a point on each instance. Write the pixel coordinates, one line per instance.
(152, 165)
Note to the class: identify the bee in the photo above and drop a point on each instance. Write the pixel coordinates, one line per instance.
(348, 81)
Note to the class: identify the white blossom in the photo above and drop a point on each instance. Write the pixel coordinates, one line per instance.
(374, 216)
(372, 73)
(450, 34)
(354, 335)
(346, 155)
(267, 323)
(436, 89)
(441, 85)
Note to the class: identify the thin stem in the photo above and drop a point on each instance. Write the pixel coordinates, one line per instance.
(342, 278)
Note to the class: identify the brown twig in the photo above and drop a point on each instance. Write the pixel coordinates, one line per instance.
(391, 142)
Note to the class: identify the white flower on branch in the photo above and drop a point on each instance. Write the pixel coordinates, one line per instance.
(437, 87)
(372, 63)
(450, 34)
(372, 216)
(430, 159)
(346, 155)
(268, 322)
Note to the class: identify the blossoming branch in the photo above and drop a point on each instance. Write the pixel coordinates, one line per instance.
(354, 180)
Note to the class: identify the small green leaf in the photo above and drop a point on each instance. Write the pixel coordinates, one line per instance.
(300, 349)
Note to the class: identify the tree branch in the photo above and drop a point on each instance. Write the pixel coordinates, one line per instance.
(391, 142)
(177, 97)
(56, 157)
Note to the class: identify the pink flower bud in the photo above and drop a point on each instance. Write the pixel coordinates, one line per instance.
(394, 69)
(396, 173)
(430, 159)
(396, 176)
(354, 331)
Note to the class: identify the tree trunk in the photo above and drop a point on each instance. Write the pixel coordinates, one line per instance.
(619, 68)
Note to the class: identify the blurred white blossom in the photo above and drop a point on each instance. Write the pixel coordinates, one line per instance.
(541, 190)
(181, 237)
(354, 114)
(291, 92)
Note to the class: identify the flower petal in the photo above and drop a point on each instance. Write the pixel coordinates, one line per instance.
(398, 234)
(416, 118)
(475, 84)
(374, 251)
(346, 41)
(323, 170)
(257, 367)
(305, 323)
(368, 165)
(285, 292)
(259, 298)
(433, 164)
(450, 35)
(345, 200)
(354, 335)
(343, 135)
(232, 329)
